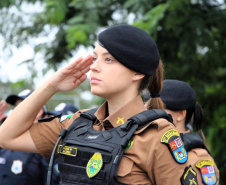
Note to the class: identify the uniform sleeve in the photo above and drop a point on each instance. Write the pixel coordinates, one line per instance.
(45, 134)
(162, 167)
(198, 154)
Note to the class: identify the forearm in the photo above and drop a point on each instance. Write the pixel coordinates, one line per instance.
(23, 116)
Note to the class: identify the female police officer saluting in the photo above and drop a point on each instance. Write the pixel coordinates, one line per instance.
(180, 101)
(124, 61)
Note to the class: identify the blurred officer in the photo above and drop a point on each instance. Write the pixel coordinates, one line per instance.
(180, 101)
(64, 109)
(17, 167)
(108, 145)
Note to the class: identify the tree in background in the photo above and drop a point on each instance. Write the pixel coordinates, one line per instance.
(190, 35)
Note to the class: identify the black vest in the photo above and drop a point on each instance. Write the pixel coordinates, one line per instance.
(192, 140)
(82, 144)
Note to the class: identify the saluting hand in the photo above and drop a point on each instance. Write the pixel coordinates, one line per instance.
(72, 75)
(3, 107)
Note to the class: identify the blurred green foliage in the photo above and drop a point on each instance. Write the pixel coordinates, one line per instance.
(190, 34)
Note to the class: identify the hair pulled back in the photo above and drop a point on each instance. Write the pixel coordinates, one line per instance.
(154, 84)
(197, 112)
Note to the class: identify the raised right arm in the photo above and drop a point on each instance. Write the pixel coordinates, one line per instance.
(14, 132)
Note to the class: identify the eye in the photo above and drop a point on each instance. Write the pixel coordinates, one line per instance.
(109, 60)
(94, 59)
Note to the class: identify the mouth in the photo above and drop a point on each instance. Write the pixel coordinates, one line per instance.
(94, 80)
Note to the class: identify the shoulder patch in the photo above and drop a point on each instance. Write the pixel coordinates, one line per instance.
(206, 168)
(189, 176)
(64, 117)
(172, 139)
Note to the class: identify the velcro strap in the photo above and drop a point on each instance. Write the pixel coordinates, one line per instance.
(66, 170)
(83, 157)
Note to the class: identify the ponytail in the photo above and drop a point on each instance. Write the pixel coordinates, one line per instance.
(198, 120)
(197, 113)
(154, 86)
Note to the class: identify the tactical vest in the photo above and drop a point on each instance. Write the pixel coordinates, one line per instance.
(89, 157)
(192, 140)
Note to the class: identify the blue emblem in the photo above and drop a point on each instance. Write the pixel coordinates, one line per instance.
(176, 147)
(206, 168)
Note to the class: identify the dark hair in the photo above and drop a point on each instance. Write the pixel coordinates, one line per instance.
(154, 85)
(197, 112)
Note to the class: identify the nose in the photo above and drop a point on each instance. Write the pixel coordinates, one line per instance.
(95, 66)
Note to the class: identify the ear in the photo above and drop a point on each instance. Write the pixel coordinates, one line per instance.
(138, 76)
(181, 115)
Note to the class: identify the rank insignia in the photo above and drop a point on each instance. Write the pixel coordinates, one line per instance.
(206, 167)
(189, 176)
(172, 140)
(94, 165)
(17, 167)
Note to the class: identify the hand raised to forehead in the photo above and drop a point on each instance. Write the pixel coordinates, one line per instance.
(72, 75)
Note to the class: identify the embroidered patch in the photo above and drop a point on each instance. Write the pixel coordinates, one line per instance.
(172, 140)
(17, 167)
(94, 165)
(189, 176)
(67, 150)
(64, 117)
(120, 120)
(206, 167)
(129, 144)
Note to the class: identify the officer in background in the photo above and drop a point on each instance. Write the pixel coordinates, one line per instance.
(17, 167)
(63, 109)
(180, 101)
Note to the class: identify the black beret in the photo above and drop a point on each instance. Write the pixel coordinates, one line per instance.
(132, 47)
(177, 95)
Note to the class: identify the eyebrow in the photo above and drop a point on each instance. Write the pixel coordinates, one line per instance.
(106, 53)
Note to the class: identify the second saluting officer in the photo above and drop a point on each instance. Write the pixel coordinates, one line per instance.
(107, 146)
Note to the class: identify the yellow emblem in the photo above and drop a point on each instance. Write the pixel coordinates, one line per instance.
(120, 120)
(94, 165)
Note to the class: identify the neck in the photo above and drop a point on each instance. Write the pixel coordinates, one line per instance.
(117, 102)
(180, 125)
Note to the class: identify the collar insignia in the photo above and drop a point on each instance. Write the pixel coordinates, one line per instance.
(120, 120)
(172, 140)
(94, 165)
(207, 171)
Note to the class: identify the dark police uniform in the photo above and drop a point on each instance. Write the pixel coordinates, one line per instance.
(22, 168)
(147, 159)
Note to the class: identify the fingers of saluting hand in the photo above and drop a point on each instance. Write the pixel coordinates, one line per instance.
(81, 64)
(3, 106)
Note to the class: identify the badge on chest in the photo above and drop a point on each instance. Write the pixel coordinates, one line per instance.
(17, 167)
